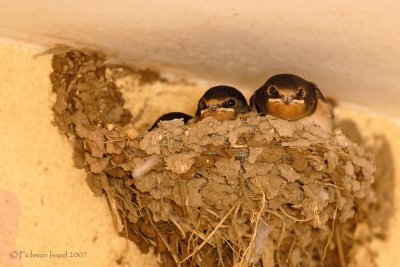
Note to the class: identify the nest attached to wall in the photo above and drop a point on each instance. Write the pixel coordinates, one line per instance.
(253, 191)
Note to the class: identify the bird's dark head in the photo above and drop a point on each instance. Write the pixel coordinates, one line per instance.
(221, 102)
(286, 96)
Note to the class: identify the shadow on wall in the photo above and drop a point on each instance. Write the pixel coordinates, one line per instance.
(384, 185)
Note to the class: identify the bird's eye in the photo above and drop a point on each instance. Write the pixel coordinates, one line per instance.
(300, 93)
(229, 104)
(202, 105)
(272, 91)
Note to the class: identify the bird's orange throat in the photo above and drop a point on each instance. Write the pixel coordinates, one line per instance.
(291, 112)
(219, 115)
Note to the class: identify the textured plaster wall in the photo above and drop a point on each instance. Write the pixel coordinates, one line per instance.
(350, 48)
(45, 203)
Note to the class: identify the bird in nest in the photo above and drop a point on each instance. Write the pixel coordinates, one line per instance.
(290, 97)
(222, 103)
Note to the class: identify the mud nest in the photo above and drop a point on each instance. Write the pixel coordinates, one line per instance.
(254, 191)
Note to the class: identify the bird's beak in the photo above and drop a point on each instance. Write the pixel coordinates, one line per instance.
(213, 107)
(287, 99)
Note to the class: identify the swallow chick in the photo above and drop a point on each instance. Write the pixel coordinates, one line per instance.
(290, 97)
(172, 116)
(222, 103)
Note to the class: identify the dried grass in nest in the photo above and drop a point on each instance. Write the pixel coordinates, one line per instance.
(253, 191)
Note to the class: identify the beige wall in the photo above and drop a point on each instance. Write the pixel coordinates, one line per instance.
(350, 48)
(45, 203)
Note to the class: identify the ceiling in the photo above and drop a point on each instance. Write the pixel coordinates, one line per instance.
(351, 49)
